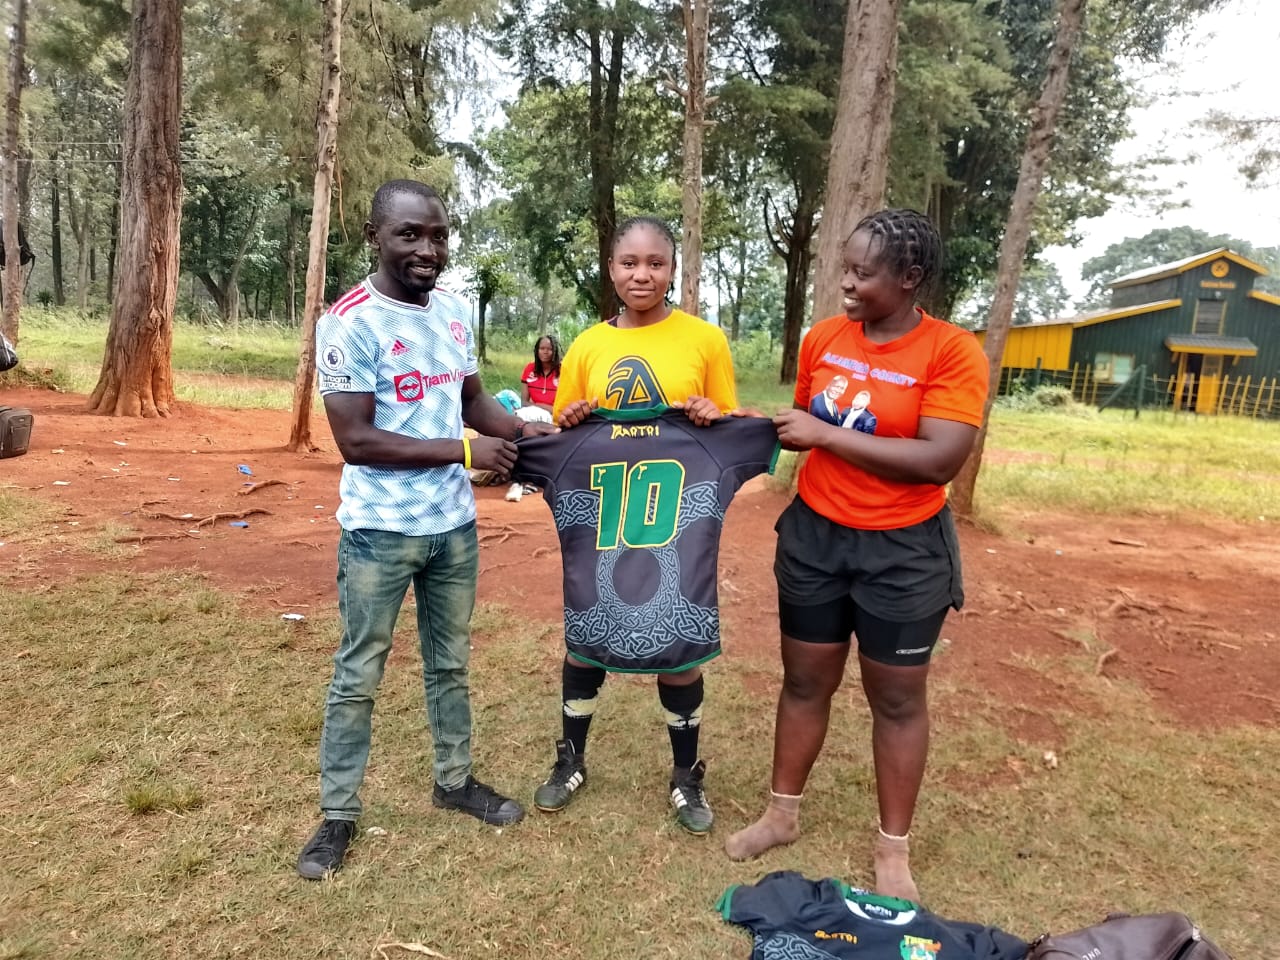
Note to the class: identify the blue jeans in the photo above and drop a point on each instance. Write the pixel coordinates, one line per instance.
(375, 568)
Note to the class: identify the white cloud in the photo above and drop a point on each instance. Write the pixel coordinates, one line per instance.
(1226, 61)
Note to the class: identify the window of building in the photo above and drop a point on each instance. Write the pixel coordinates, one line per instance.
(1112, 367)
(1209, 317)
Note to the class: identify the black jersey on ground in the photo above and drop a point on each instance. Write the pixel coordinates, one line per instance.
(638, 497)
(792, 918)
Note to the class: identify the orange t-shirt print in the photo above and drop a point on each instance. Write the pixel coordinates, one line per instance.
(935, 370)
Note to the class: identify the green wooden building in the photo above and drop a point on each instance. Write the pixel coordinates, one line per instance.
(1196, 328)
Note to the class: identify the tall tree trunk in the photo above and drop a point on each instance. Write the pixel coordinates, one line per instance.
(602, 123)
(291, 257)
(482, 307)
(739, 287)
(798, 254)
(858, 163)
(113, 248)
(697, 15)
(78, 214)
(544, 306)
(137, 375)
(326, 157)
(55, 234)
(12, 279)
(233, 277)
(1017, 232)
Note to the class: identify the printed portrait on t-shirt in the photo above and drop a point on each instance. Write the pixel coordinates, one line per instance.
(859, 416)
(826, 405)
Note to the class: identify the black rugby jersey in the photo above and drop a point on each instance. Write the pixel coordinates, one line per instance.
(792, 918)
(638, 498)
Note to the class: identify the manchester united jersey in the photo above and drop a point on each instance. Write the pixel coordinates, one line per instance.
(638, 499)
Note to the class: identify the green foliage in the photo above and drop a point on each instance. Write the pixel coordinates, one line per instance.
(1041, 295)
(1164, 245)
(983, 160)
(539, 160)
(1021, 396)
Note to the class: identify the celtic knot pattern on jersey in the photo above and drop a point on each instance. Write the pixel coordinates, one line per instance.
(640, 632)
(787, 946)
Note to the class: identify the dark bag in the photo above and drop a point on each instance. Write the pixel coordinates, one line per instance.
(15, 431)
(8, 355)
(1154, 936)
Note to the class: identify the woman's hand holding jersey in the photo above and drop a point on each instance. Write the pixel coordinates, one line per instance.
(700, 410)
(576, 412)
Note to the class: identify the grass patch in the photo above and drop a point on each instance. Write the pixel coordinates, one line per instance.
(1161, 464)
(21, 516)
(161, 778)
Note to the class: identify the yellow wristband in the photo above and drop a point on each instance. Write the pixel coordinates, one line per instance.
(466, 454)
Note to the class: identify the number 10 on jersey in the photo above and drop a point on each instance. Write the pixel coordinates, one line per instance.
(639, 504)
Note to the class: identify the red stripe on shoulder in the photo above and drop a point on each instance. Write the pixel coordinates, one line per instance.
(349, 302)
(341, 302)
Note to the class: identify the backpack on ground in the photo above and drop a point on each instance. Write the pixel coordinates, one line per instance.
(1155, 936)
(8, 355)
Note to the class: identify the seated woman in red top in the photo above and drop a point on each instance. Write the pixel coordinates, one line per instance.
(541, 378)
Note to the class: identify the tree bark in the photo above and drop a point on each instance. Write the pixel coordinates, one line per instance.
(602, 123)
(321, 195)
(1013, 246)
(291, 257)
(794, 243)
(113, 248)
(857, 166)
(137, 375)
(12, 112)
(55, 234)
(697, 15)
(482, 308)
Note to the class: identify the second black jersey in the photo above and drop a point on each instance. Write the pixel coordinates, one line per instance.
(793, 918)
(638, 499)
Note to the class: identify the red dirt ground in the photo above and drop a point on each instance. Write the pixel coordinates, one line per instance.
(1190, 613)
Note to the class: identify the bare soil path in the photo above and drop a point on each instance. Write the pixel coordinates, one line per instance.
(1189, 611)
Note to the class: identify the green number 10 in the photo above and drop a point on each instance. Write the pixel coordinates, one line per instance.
(639, 506)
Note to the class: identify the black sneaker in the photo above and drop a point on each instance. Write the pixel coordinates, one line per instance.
(568, 774)
(326, 849)
(480, 801)
(690, 800)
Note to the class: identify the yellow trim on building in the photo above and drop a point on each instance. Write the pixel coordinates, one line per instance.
(1191, 265)
(1270, 298)
(1214, 351)
(1130, 312)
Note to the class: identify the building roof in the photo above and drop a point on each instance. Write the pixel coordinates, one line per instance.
(1175, 267)
(1099, 316)
(1211, 344)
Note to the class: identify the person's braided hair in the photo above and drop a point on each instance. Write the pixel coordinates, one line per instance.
(653, 223)
(907, 239)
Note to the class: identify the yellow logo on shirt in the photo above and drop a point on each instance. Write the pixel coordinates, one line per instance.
(846, 937)
(633, 385)
(634, 430)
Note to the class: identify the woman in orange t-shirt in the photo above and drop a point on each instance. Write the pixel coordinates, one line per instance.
(888, 401)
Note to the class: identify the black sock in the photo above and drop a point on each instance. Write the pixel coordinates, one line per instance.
(683, 708)
(580, 685)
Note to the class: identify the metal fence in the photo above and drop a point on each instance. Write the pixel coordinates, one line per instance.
(1241, 396)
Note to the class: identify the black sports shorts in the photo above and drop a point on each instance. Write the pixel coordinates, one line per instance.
(892, 588)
